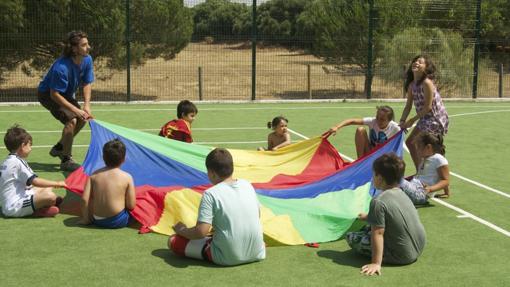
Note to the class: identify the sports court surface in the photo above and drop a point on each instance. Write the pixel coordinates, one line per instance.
(468, 235)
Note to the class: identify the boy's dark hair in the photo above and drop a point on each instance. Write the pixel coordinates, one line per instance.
(73, 39)
(273, 124)
(114, 153)
(390, 167)
(185, 107)
(436, 141)
(430, 71)
(388, 110)
(15, 137)
(220, 162)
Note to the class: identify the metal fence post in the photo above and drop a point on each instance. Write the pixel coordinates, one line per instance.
(128, 54)
(309, 80)
(404, 75)
(200, 84)
(500, 86)
(254, 51)
(477, 47)
(369, 73)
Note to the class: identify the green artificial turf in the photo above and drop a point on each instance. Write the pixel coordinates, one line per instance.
(459, 251)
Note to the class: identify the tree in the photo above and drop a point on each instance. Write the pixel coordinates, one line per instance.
(339, 31)
(277, 19)
(11, 23)
(163, 28)
(220, 19)
(35, 29)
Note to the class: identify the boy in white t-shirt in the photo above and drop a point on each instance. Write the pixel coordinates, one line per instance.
(22, 193)
(381, 128)
(433, 172)
(231, 209)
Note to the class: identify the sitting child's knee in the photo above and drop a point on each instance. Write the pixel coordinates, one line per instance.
(177, 244)
(170, 241)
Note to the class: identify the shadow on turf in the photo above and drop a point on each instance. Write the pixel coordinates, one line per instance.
(73, 222)
(347, 257)
(350, 258)
(178, 261)
(71, 206)
(45, 167)
(48, 167)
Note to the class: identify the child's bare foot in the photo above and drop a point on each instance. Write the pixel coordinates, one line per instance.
(442, 195)
(46, 212)
(83, 222)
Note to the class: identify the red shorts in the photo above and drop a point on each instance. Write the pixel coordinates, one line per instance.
(198, 248)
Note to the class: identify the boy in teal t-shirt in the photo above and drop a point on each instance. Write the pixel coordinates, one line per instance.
(231, 208)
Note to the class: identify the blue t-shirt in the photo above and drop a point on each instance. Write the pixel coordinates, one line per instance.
(65, 76)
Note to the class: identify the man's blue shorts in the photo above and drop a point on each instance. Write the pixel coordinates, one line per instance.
(118, 221)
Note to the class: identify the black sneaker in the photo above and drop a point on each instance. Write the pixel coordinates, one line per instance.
(69, 165)
(54, 152)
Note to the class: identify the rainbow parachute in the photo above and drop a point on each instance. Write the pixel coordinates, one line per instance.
(307, 192)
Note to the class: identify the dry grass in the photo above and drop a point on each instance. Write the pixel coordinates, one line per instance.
(281, 74)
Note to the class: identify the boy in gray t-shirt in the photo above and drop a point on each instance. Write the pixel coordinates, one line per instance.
(231, 208)
(396, 235)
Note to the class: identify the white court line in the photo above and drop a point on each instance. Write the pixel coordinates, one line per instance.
(474, 217)
(486, 187)
(209, 143)
(260, 128)
(473, 182)
(302, 136)
(247, 142)
(463, 212)
(269, 107)
(459, 210)
(477, 113)
(151, 130)
(202, 109)
(48, 146)
(480, 185)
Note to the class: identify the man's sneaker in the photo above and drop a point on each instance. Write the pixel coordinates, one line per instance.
(69, 165)
(54, 152)
(47, 212)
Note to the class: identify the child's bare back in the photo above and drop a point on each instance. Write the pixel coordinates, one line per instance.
(111, 191)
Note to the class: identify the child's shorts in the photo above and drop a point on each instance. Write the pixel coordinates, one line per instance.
(198, 248)
(415, 190)
(118, 221)
(360, 241)
(63, 115)
(22, 207)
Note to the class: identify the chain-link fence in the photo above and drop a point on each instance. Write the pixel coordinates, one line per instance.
(295, 49)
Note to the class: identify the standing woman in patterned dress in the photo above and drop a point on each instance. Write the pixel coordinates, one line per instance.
(430, 111)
